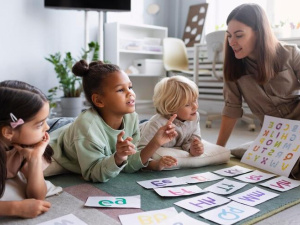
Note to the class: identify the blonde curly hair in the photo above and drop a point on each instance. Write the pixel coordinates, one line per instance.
(172, 93)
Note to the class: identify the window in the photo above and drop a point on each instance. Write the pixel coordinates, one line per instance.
(286, 12)
(278, 11)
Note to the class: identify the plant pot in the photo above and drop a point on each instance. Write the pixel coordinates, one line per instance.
(71, 107)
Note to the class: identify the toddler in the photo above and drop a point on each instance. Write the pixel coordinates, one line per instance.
(175, 95)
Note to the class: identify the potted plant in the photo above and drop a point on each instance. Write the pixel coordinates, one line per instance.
(71, 101)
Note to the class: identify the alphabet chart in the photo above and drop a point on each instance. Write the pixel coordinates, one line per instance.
(162, 182)
(114, 202)
(151, 217)
(67, 219)
(178, 191)
(182, 219)
(230, 213)
(276, 148)
(253, 196)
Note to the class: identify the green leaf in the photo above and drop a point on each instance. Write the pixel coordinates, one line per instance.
(68, 82)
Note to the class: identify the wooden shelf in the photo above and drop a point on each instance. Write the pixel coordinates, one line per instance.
(120, 38)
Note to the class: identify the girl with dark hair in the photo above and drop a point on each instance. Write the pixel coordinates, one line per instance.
(101, 142)
(23, 146)
(259, 69)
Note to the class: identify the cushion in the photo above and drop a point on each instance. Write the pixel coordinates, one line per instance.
(15, 188)
(55, 123)
(213, 155)
(54, 169)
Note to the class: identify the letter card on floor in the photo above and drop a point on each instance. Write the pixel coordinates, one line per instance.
(230, 213)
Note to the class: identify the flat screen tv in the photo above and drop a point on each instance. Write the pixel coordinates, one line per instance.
(95, 5)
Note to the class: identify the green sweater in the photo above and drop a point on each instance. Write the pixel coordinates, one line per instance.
(87, 146)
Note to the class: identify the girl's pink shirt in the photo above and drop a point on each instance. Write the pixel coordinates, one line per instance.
(14, 162)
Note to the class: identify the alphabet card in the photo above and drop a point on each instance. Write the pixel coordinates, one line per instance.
(182, 219)
(225, 187)
(150, 217)
(281, 184)
(254, 176)
(67, 219)
(178, 191)
(202, 202)
(253, 196)
(276, 148)
(162, 182)
(114, 202)
(229, 213)
(232, 171)
(201, 177)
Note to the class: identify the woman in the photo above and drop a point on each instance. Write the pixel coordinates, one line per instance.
(259, 69)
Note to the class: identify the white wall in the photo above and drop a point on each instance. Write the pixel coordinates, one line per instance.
(173, 14)
(30, 32)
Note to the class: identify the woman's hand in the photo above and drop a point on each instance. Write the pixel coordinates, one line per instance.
(196, 148)
(124, 148)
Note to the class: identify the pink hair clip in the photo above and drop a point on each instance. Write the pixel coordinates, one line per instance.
(15, 122)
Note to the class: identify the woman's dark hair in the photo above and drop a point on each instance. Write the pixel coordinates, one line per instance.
(23, 101)
(93, 75)
(267, 46)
